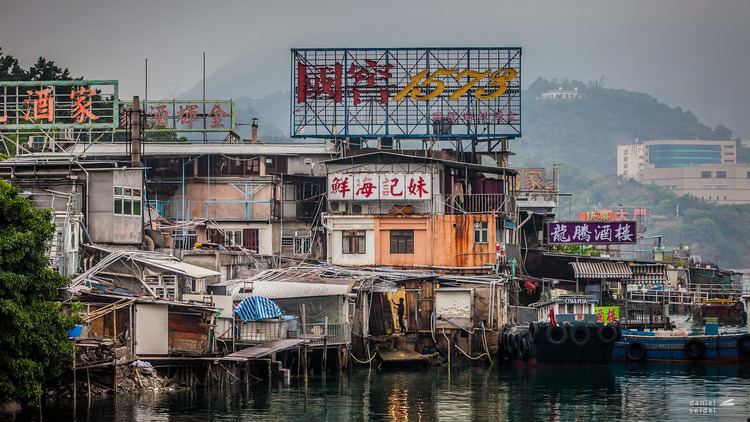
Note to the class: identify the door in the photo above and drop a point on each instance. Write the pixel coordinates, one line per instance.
(151, 329)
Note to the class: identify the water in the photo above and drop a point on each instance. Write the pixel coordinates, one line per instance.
(616, 392)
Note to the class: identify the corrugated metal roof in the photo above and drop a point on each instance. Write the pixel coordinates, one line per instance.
(189, 148)
(649, 273)
(175, 265)
(589, 269)
(289, 290)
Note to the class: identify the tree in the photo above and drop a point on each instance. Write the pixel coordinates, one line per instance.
(33, 330)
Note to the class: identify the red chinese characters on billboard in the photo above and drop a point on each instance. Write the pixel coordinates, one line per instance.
(383, 186)
(405, 92)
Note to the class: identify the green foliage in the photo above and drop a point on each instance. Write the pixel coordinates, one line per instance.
(585, 132)
(165, 136)
(42, 70)
(587, 250)
(34, 339)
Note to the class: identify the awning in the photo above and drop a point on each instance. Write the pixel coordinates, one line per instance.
(176, 266)
(649, 273)
(601, 269)
(289, 290)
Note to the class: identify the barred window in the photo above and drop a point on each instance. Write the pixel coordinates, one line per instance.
(402, 241)
(353, 242)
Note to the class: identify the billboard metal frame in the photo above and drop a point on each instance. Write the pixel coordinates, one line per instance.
(407, 117)
(115, 101)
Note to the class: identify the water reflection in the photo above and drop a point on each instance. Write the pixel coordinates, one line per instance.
(615, 392)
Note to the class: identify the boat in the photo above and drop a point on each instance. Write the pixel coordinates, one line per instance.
(640, 346)
(728, 311)
(576, 339)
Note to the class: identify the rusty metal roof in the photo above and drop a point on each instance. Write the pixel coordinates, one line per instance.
(599, 269)
(190, 148)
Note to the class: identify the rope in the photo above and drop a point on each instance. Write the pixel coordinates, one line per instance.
(465, 354)
(365, 361)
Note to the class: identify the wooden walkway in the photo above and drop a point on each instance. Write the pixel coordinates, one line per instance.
(264, 350)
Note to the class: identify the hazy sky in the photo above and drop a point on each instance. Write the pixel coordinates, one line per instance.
(691, 53)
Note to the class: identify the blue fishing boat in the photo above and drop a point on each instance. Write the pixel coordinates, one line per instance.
(639, 346)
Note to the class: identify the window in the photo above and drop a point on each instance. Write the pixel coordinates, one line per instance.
(126, 201)
(302, 245)
(706, 174)
(402, 241)
(481, 230)
(721, 175)
(353, 242)
(748, 174)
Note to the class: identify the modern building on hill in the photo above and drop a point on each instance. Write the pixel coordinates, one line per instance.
(704, 169)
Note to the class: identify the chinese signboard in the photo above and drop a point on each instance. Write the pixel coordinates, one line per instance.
(82, 104)
(379, 186)
(186, 115)
(638, 214)
(406, 92)
(575, 232)
(607, 314)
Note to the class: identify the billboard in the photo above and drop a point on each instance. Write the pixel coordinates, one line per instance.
(184, 115)
(379, 186)
(77, 104)
(586, 232)
(406, 93)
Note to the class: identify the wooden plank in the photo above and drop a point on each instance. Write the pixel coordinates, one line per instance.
(264, 349)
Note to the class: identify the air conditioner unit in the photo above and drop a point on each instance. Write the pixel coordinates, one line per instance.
(356, 209)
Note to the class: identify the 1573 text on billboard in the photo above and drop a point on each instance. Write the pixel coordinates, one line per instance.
(406, 93)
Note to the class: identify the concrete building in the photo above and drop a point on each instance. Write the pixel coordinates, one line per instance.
(720, 183)
(704, 169)
(263, 197)
(97, 199)
(406, 211)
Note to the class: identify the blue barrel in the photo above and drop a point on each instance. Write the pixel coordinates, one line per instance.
(712, 327)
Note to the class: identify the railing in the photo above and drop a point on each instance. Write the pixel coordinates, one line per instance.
(481, 203)
(670, 296)
(235, 210)
(643, 313)
(334, 333)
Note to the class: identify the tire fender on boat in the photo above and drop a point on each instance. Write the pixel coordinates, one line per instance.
(636, 351)
(533, 330)
(557, 335)
(523, 347)
(580, 335)
(695, 348)
(607, 334)
(743, 344)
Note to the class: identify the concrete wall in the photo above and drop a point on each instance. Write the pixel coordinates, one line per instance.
(336, 227)
(103, 225)
(733, 189)
(439, 240)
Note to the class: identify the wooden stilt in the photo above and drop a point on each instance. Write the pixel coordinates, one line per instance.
(88, 387)
(75, 380)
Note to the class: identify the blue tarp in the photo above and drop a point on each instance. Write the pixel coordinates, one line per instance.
(254, 308)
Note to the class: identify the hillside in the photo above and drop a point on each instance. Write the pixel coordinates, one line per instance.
(585, 132)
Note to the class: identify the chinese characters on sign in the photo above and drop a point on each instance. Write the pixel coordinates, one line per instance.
(402, 92)
(607, 314)
(375, 186)
(187, 115)
(576, 232)
(638, 214)
(84, 104)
